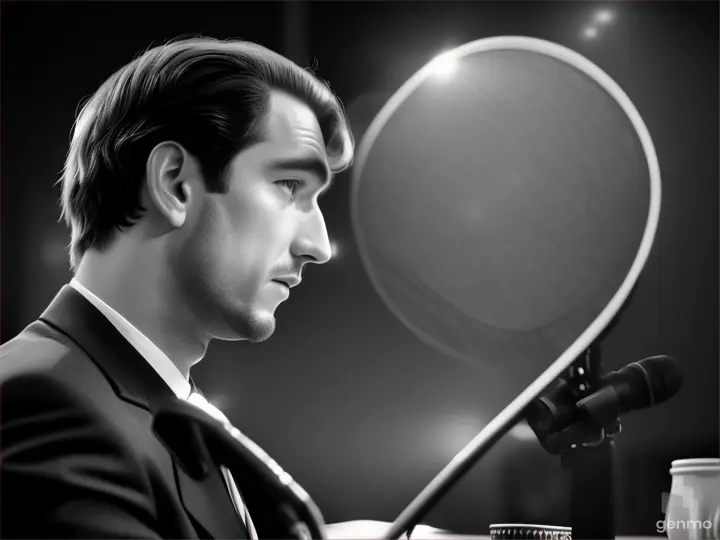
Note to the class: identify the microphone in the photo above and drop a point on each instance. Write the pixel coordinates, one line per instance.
(637, 386)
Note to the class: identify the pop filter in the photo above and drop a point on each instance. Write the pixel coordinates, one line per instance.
(504, 202)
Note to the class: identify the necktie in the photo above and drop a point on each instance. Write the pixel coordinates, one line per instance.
(199, 401)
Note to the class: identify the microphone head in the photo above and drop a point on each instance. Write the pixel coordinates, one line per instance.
(664, 378)
(646, 382)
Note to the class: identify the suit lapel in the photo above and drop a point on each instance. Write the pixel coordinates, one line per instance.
(136, 382)
(216, 514)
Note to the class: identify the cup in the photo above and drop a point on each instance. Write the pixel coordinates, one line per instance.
(693, 507)
(526, 531)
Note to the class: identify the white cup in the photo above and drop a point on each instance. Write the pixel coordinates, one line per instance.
(693, 510)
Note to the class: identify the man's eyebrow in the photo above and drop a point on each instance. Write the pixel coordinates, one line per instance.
(312, 165)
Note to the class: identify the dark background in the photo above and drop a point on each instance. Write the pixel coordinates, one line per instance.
(344, 397)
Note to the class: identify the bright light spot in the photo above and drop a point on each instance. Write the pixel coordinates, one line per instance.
(285, 478)
(604, 16)
(590, 32)
(444, 65)
(522, 432)
(219, 401)
(455, 430)
(334, 249)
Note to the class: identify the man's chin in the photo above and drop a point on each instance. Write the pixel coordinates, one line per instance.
(249, 325)
(262, 329)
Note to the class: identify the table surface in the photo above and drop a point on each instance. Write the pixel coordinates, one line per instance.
(368, 529)
(440, 535)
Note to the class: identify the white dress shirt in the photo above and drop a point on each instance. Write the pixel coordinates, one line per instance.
(169, 372)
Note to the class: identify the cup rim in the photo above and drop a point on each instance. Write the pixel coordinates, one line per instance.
(693, 462)
(699, 469)
(529, 526)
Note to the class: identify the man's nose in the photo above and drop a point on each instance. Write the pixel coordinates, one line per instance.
(312, 242)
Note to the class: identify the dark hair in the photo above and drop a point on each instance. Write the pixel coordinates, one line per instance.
(209, 95)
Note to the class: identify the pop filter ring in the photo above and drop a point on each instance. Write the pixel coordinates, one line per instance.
(512, 413)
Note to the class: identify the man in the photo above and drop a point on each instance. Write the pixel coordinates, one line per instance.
(191, 188)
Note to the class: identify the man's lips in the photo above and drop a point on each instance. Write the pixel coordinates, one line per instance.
(288, 281)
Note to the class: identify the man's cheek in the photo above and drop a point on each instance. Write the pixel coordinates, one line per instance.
(253, 271)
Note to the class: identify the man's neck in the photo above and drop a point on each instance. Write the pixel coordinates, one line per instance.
(142, 297)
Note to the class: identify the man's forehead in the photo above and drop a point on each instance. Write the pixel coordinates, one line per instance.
(292, 130)
(289, 117)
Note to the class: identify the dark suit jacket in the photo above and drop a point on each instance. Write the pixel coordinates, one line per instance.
(78, 458)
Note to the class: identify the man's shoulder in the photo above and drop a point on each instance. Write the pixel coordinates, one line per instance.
(41, 350)
(42, 353)
(43, 368)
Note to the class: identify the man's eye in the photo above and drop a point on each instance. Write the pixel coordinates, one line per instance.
(291, 185)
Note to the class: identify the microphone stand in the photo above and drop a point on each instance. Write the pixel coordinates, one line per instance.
(587, 450)
(592, 463)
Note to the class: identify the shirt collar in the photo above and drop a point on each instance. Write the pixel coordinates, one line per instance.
(157, 359)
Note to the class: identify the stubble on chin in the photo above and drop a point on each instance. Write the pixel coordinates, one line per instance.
(244, 323)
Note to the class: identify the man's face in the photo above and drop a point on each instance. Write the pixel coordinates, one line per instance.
(263, 230)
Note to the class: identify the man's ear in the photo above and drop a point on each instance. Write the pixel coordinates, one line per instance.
(170, 174)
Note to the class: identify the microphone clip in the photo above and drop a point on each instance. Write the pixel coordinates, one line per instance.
(594, 410)
(581, 434)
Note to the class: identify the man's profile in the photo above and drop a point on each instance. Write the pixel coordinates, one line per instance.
(191, 189)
